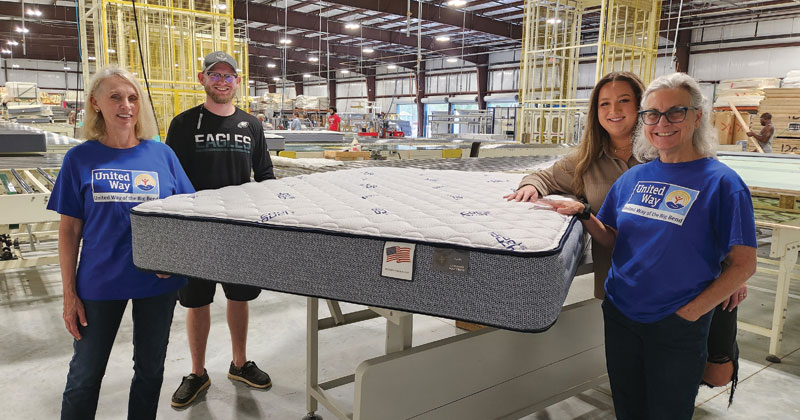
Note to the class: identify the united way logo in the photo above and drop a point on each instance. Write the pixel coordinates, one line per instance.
(144, 182)
(677, 199)
(661, 201)
(122, 185)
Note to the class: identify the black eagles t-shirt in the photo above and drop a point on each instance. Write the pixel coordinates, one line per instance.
(219, 151)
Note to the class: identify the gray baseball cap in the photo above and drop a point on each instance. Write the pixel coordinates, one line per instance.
(219, 57)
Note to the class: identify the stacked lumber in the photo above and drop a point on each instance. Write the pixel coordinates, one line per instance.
(784, 105)
(743, 92)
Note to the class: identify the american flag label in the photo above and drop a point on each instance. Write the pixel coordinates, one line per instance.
(398, 260)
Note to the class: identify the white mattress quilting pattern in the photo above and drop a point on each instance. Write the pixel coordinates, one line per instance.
(463, 209)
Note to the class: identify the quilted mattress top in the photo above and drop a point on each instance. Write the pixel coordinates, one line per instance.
(453, 208)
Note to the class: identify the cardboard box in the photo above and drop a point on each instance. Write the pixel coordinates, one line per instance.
(738, 132)
(723, 122)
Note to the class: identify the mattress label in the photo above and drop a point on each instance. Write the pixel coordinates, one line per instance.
(451, 260)
(398, 260)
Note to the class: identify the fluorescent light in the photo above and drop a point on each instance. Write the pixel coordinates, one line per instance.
(222, 6)
(177, 65)
(5, 51)
(91, 58)
(442, 38)
(67, 68)
(252, 82)
(452, 60)
(345, 71)
(313, 59)
(32, 12)
(306, 75)
(352, 25)
(23, 30)
(133, 41)
(238, 70)
(12, 43)
(15, 66)
(111, 50)
(456, 3)
(285, 41)
(553, 20)
(368, 50)
(276, 78)
(271, 65)
(199, 58)
(391, 67)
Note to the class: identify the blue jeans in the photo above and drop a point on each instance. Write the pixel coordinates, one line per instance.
(656, 368)
(152, 319)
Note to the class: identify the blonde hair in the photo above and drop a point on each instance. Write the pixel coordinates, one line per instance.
(93, 124)
(595, 138)
(704, 139)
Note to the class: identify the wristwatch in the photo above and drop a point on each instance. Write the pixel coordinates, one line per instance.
(586, 213)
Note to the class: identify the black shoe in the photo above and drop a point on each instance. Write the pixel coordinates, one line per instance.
(250, 374)
(190, 386)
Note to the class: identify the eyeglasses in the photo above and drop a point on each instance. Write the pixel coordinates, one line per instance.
(674, 115)
(229, 78)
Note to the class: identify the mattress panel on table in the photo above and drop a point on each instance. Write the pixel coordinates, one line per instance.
(325, 235)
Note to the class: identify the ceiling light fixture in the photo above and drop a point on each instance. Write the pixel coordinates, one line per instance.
(442, 38)
(352, 25)
(306, 75)
(276, 78)
(12, 43)
(252, 82)
(92, 58)
(222, 6)
(23, 30)
(456, 3)
(368, 50)
(345, 71)
(133, 41)
(32, 12)
(15, 66)
(271, 65)
(452, 60)
(391, 67)
(313, 59)
(67, 68)
(111, 51)
(553, 21)
(5, 51)
(285, 41)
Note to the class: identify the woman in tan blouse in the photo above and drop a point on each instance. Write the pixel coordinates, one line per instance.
(588, 173)
(604, 154)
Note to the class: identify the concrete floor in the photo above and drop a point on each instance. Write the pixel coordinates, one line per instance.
(35, 350)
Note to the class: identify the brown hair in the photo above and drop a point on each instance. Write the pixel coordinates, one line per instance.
(595, 137)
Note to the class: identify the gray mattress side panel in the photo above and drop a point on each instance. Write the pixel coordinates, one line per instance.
(506, 291)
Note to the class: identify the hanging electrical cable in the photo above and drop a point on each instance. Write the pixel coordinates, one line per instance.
(144, 68)
(675, 42)
(80, 63)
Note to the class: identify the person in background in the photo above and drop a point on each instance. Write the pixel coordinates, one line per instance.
(100, 181)
(296, 123)
(604, 155)
(671, 223)
(218, 145)
(333, 120)
(766, 134)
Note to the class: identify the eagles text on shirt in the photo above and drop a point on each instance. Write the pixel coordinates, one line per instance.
(222, 141)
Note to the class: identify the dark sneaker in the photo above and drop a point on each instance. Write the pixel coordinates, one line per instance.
(250, 374)
(190, 386)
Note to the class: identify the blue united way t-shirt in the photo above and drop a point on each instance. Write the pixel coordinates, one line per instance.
(99, 185)
(676, 222)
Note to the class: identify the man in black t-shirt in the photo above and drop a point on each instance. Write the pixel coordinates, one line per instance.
(218, 145)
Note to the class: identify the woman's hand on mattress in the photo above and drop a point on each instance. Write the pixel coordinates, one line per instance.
(163, 276)
(735, 299)
(526, 193)
(565, 207)
(74, 313)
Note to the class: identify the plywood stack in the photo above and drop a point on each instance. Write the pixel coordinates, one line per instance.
(743, 92)
(784, 105)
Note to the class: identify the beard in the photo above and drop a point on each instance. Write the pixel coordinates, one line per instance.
(219, 98)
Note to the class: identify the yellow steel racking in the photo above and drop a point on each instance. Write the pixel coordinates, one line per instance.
(550, 110)
(175, 35)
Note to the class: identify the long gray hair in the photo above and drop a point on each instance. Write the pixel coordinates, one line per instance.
(704, 140)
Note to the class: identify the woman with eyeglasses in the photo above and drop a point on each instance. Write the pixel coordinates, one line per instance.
(100, 181)
(672, 222)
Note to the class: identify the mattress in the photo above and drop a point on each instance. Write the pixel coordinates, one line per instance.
(436, 242)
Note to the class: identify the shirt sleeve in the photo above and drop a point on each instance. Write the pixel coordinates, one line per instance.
(262, 163)
(66, 197)
(556, 179)
(608, 211)
(736, 223)
(182, 183)
(180, 144)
